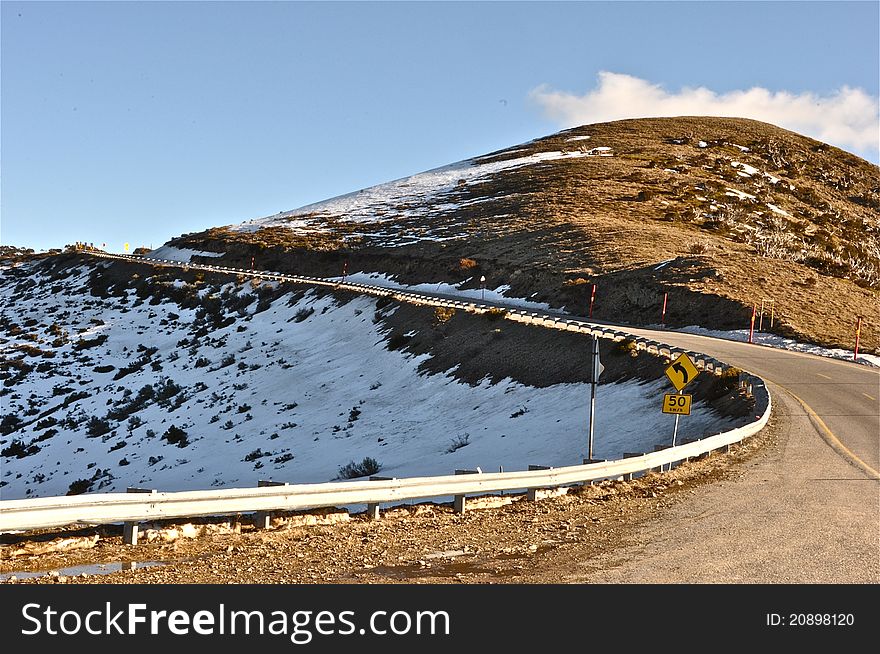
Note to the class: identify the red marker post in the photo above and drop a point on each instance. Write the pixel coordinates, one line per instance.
(858, 334)
(592, 299)
(752, 323)
(663, 314)
(344, 270)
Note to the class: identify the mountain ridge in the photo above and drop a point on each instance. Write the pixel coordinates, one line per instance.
(742, 210)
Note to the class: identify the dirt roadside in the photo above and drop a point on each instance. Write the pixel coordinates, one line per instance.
(781, 507)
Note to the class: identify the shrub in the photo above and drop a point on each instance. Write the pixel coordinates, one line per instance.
(467, 264)
(443, 314)
(80, 486)
(495, 313)
(9, 424)
(19, 450)
(352, 470)
(458, 442)
(628, 346)
(176, 436)
(97, 426)
(730, 378)
(302, 314)
(256, 454)
(201, 362)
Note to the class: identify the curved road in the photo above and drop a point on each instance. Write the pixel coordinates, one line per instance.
(805, 510)
(841, 394)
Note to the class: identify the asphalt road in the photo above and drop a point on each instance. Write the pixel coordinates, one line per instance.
(843, 395)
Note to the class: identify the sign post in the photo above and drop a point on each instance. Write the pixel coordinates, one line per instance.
(482, 287)
(680, 372)
(663, 314)
(596, 369)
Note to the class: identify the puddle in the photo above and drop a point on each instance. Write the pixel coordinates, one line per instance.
(92, 569)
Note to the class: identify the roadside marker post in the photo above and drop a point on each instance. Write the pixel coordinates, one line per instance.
(761, 318)
(752, 323)
(663, 314)
(482, 287)
(592, 300)
(858, 335)
(772, 307)
(596, 369)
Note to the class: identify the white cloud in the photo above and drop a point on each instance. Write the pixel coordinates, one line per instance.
(848, 117)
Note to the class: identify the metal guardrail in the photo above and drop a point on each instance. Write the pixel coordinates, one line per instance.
(39, 513)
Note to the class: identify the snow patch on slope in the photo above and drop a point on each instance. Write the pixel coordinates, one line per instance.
(781, 342)
(169, 253)
(289, 389)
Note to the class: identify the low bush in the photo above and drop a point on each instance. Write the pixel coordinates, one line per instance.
(368, 466)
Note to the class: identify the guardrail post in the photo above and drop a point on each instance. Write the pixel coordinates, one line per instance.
(130, 529)
(373, 507)
(659, 448)
(629, 455)
(589, 461)
(532, 494)
(263, 519)
(460, 501)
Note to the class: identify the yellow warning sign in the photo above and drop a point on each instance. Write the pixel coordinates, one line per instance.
(125, 247)
(677, 404)
(682, 371)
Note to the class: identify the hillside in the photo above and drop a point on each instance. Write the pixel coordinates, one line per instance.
(719, 213)
(117, 374)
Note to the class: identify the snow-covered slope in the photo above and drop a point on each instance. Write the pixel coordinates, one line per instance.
(416, 197)
(193, 384)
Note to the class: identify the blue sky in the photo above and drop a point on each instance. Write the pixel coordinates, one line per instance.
(136, 122)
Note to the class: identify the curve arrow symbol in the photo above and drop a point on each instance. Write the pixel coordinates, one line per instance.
(677, 367)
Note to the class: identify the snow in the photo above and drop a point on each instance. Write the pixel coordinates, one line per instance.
(185, 255)
(747, 169)
(491, 294)
(783, 343)
(703, 144)
(578, 138)
(417, 196)
(776, 209)
(739, 194)
(314, 390)
(742, 148)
